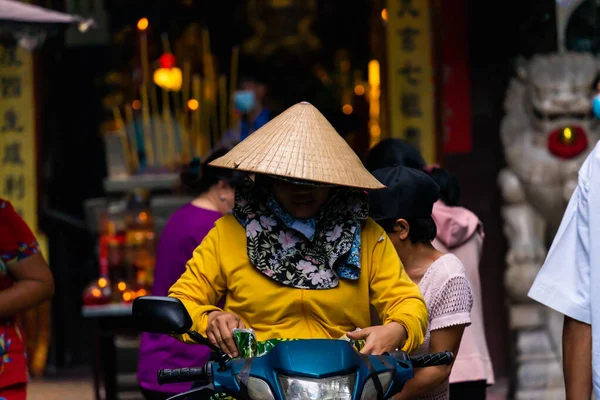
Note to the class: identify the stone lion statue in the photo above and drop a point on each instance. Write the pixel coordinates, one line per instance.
(547, 133)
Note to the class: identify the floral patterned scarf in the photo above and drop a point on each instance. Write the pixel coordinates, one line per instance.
(309, 253)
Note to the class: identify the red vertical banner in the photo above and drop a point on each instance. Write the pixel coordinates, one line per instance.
(457, 86)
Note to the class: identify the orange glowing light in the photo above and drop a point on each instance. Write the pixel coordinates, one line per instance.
(127, 296)
(102, 282)
(143, 216)
(359, 90)
(122, 286)
(384, 14)
(96, 292)
(347, 109)
(141, 292)
(136, 105)
(142, 24)
(375, 130)
(193, 104)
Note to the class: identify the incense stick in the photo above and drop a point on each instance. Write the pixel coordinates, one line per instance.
(196, 121)
(123, 137)
(134, 151)
(148, 145)
(167, 119)
(144, 57)
(222, 106)
(186, 128)
(235, 55)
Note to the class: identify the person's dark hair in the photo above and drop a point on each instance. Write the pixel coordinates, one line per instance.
(449, 187)
(392, 152)
(422, 230)
(198, 177)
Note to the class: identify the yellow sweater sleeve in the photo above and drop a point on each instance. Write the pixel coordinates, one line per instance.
(395, 297)
(202, 284)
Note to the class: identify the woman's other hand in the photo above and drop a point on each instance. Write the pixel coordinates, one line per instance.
(220, 331)
(381, 339)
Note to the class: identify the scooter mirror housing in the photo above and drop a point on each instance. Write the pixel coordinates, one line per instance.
(157, 314)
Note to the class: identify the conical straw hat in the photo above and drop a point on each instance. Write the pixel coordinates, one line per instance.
(300, 144)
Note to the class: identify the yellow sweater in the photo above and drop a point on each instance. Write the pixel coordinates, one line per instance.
(220, 267)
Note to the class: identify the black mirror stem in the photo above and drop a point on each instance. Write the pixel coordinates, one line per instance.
(222, 357)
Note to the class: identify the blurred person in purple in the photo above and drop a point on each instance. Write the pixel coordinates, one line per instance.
(214, 190)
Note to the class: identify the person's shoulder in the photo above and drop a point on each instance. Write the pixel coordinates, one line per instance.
(371, 229)
(6, 207)
(190, 216)
(448, 266)
(228, 224)
(591, 166)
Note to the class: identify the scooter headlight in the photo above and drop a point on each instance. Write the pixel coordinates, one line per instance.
(259, 389)
(370, 391)
(334, 388)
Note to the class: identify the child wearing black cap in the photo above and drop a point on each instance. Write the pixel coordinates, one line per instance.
(404, 209)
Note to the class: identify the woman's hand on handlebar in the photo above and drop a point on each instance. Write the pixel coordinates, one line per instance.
(381, 339)
(220, 331)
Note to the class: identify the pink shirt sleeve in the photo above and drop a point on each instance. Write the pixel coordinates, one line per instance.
(454, 300)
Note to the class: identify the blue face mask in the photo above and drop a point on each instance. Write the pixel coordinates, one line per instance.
(596, 105)
(244, 100)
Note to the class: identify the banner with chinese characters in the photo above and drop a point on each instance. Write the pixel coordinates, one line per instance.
(18, 178)
(411, 87)
(457, 85)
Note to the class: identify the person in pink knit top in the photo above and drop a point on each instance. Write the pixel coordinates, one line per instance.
(460, 232)
(404, 210)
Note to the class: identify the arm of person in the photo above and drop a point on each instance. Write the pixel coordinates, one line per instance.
(23, 262)
(446, 339)
(33, 285)
(395, 297)
(202, 284)
(577, 359)
(450, 314)
(563, 284)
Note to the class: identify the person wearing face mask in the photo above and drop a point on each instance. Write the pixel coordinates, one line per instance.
(248, 101)
(183, 232)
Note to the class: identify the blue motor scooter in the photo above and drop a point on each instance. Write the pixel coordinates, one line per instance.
(315, 369)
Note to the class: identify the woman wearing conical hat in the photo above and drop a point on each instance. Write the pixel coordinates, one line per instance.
(299, 257)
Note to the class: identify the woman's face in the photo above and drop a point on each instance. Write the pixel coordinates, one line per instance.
(301, 201)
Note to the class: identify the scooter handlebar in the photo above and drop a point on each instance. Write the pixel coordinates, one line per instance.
(179, 375)
(432, 360)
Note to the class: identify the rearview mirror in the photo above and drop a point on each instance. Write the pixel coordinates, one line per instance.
(166, 315)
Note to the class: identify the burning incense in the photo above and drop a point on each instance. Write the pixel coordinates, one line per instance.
(169, 153)
(147, 126)
(123, 137)
(223, 106)
(148, 145)
(196, 121)
(167, 116)
(134, 151)
(235, 56)
(186, 129)
(144, 57)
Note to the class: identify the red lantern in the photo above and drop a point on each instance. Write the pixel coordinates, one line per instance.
(167, 60)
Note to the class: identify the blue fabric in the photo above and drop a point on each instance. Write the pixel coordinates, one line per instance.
(260, 120)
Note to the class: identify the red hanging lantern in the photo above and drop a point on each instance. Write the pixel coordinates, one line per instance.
(168, 76)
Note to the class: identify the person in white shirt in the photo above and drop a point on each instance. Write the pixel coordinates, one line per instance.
(564, 283)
